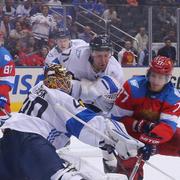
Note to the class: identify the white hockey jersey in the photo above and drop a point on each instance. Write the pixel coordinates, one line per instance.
(40, 115)
(77, 62)
(55, 54)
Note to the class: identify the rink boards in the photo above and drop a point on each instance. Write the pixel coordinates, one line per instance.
(28, 77)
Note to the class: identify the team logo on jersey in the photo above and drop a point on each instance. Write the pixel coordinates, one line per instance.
(7, 57)
(134, 83)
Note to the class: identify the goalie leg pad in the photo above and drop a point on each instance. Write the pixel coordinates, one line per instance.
(68, 173)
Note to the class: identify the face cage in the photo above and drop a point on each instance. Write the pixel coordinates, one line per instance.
(64, 84)
(61, 83)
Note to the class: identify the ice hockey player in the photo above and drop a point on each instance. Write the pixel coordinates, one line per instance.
(63, 48)
(88, 63)
(149, 107)
(7, 75)
(31, 137)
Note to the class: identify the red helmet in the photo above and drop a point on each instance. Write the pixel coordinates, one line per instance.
(161, 65)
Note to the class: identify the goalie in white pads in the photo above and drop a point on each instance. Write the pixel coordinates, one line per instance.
(31, 137)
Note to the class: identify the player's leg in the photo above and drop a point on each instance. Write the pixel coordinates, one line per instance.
(172, 147)
(9, 156)
(3, 169)
(39, 159)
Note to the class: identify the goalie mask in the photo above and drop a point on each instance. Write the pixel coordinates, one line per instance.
(57, 77)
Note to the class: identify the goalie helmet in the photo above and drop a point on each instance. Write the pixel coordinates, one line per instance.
(57, 77)
(100, 43)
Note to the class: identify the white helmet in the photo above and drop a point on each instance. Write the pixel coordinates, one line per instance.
(101, 93)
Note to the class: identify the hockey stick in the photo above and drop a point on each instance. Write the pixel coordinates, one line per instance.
(5, 112)
(86, 124)
(136, 167)
(156, 168)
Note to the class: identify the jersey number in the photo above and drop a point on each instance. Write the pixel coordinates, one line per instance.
(8, 69)
(28, 106)
(124, 95)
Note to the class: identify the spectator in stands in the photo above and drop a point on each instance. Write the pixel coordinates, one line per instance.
(110, 15)
(168, 50)
(8, 8)
(171, 35)
(164, 16)
(31, 58)
(19, 32)
(126, 56)
(24, 9)
(99, 7)
(44, 52)
(42, 24)
(74, 31)
(142, 40)
(5, 25)
(144, 56)
(1, 11)
(87, 34)
(36, 7)
(55, 2)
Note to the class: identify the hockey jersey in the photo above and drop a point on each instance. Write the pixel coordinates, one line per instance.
(55, 55)
(7, 75)
(78, 64)
(40, 114)
(138, 102)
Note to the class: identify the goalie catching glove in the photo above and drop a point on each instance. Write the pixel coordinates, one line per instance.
(124, 144)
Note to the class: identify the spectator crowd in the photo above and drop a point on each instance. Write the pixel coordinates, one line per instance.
(28, 27)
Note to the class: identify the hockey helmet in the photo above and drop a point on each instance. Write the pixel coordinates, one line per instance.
(161, 65)
(100, 43)
(62, 34)
(57, 77)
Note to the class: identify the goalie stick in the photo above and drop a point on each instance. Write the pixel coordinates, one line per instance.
(136, 167)
(84, 123)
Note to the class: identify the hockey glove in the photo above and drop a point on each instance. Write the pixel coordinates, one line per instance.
(3, 101)
(147, 151)
(124, 144)
(150, 138)
(143, 126)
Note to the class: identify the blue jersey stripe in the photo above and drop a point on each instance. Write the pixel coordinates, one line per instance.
(112, 85)
(74, 127)
(56, 61)
(170, 123)
(7, 83)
